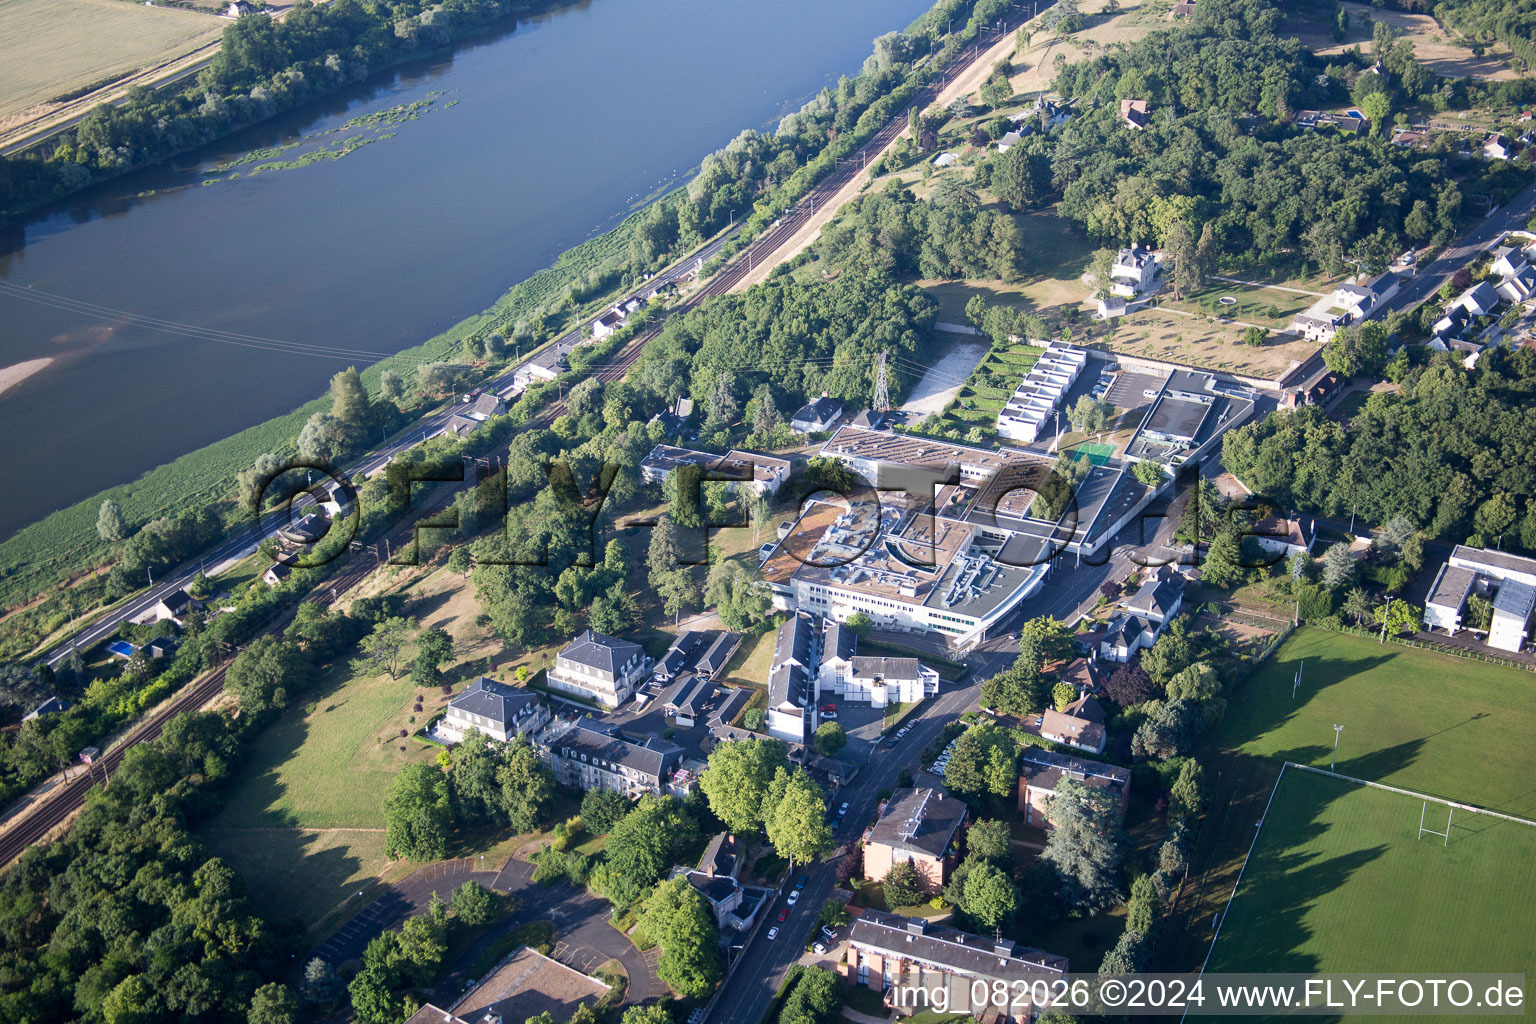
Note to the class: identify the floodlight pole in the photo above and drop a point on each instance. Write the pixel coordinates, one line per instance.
(1334, 766)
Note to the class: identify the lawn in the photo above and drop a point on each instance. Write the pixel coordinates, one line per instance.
(1429, 722)
(1340, 881)
(1426, 722)
(55, 47)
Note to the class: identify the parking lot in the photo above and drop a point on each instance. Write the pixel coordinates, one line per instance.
(861, 722)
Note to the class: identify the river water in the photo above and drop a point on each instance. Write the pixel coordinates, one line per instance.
(538, 136)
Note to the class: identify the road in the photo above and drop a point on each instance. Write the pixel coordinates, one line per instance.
(1511, 216)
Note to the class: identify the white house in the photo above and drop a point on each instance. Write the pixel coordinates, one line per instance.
(1073, 731)
(1347, 304)
(1510, 578)
(1133, 272)
(601, 668)
(499, 711)
(792, 682)
(817, 416)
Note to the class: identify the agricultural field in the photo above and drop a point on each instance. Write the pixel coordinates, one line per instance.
(52, 48)
(1340, 880)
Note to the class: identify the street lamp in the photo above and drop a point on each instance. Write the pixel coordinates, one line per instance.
(1337, 728)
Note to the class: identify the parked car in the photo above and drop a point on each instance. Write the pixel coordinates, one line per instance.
(843, 809)
(819, 948)
(829, 932)
(773, 933)
(783, 916)
(829, 707)
(794, 896)
(829, 716)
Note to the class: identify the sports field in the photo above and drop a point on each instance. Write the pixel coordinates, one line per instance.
(1340, 881)
(50, 48)
(1432, 723)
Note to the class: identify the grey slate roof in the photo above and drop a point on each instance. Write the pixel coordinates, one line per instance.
(937, 817)
(838, 641)
(950, 948)
(496, 701)
(655, 757)
(1044, 769)
(596, 650)
(787, 685)
(870, 667)
(819, 411)
(715, 657)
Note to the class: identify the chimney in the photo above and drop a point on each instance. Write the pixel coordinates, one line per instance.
(916, 925)
(1003, 947)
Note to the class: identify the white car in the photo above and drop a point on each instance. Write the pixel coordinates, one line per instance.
(819, 948)
(843, 809)
(794, 896)
(773, 933)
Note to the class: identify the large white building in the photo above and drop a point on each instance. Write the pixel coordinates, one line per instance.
(1509, 581)
(600, 668)
(1039, 394)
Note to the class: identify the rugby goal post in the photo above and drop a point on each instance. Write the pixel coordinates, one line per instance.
(1450, 816)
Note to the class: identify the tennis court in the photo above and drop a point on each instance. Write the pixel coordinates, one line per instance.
(1098, 454)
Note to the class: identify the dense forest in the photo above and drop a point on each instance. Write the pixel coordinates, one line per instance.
(1219, 150)
(1451, 453)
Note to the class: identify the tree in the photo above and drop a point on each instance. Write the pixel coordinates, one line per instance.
(1357, 350)
(372, 1000)
(460, 561)
(1016, 181)
(989, 896)
(321, 985)
(738, 592)
(1338, 566)
(1222, 565)
(392, 387)
(1254, 337)
(737, 780)
(1141, 909)
(323, 439)
(262, 674)
(273, 1003)
(797, 823)
(384, 644)
(1169, 729)
(860, 624)
(601, 809)
(1019, 690)
(645, 843)
(1062, 695)
(1400, 617)
(653, 1014)
(901, 886)
(1084, 845)
(1377, 108)
(417, 816)
(830, 738)
(679, 920)
(1357, 605)
(349, 400)
(433, 647)
(1129, 955)
(526, 786)
(1199, 682)
(1188, 792)
(473, 903)
(1046, 638)
(1149, 473)
(1089, 414)
(111, 526)
(988, 839)
(834, 913)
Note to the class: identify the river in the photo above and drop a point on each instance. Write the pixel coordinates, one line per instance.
(538, 136)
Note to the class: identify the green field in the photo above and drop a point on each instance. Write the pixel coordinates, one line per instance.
(1431, 723)
(1428, 722)
(1340, 881)
(51, 48)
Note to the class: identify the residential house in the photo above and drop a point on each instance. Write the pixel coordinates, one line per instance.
(1072, 731)
(239, 9)
(839, 644)
(277, 574)
(717, 879)
(1044, 770)
(1125, 635)
(1479, 300)
(1133, 272)
(1040, 393)
(1134, 113)
(920, 826)
(814, 417)
(1284, 536)
(890, 953)
(497, 710)
(600, 668)
(1349, 124)
(1009, 140)
(1349, 303)
(588, 754)
(1159, 597)
(792, 689)
(885, 681)
(1183, 9)
(483, 408)
(1498, 146)
(173, 607)
(607, 324)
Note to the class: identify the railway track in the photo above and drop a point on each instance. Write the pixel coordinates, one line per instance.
(64, 802)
